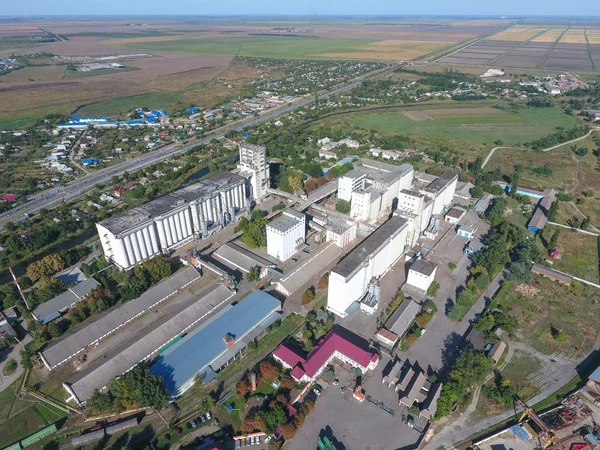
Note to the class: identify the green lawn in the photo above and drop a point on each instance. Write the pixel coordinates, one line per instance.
(256, 46)
(126, 104)
(477, 129)
(578, 253)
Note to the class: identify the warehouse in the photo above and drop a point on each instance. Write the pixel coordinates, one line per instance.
(333, 346)
(110, 321)
(350, 278)
(236, 257)
(54, 308)
(141, 348)
(286, 235)
(171, 220)
(216, 343)
(398, 323)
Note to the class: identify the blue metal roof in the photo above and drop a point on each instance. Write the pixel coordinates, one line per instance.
(196, 351)
(192, 110)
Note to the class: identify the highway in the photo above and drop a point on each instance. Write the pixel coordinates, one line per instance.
(49, 198)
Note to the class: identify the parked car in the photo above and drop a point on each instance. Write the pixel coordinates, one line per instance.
(202, 419)
(257, 440)
(216, 421)
(193, 423)
(238, 443)
(208, 414)
(316, 390)
(167, 438)
(178, 431)
(336, 382)
(267, 439)
(152, 446)
(344, 389)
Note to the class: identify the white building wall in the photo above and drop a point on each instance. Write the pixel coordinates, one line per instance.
(406, 180)
(419, 280)
(347, 185)
(342, 293)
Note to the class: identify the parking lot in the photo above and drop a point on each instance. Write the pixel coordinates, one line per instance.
(354, 425)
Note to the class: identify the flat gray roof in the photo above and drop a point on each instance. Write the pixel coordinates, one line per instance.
(456, 213)
(169, 202)
(552, 273)
(412, 193)
(284, 222)
(382, 166)
(310, 267)
(423, 266)
(538, 220)
(107, 322)
(369, 246)
(442, 181)
(402, 318)
(232, 254)
(139, 348)
(50, 310)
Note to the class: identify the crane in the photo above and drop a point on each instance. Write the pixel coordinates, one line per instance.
(547, 434)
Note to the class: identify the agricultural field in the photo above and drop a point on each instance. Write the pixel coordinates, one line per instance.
(578, 253)
(286, 47)
(543, 307)
(479, 126)
(550, 48)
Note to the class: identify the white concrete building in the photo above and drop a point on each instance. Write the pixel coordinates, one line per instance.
(350, 278)
(416, 208)
(349, 182)
(367, 204)
(441, 190)
(286, 234)
(350, 143)
(421, 274)
(171, 220)
(389, 179)
(253, 165)
(341, 234)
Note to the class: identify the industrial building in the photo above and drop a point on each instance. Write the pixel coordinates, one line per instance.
(398, 324)
(93, 331)
(441, 191)
(333, 346)
(253, 166)
(142, 348)
(54, 308)
(286, 234)
(349, 182)
(366, 204)
(240, 258)
(350, 278)
(421, 274)
(216, 343)
(341, 233)
(416, 208)
(416, 387)
(171, 220)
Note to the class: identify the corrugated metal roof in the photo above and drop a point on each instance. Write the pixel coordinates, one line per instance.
(29, 440)
(112, 319)
(205, 344)
(140, 347)
(402, 318)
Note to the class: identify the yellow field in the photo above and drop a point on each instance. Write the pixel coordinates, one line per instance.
(550, 35)
(574, 36)
(517, 34)
(390, 50)
(144, 39)
(593, 36)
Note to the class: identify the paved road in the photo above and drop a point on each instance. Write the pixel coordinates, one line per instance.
(489, 156)
(74, 189)
(15, 353)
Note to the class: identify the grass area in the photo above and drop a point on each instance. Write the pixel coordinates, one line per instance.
(94, 73)
(520, 367)
(543, 307)
(288, 47)
(478, 129)
(578, 253)
(126, 104)
(515, 214)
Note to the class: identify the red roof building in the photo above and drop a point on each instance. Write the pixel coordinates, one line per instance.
(554, 253)
(332, 346)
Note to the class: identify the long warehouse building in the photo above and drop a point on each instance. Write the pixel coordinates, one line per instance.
(93, 331)
(171, 220)
(146, 346)
(222, 339)
(350, 278)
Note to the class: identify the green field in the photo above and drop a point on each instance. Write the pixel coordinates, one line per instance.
(126, 104)
(477, 129)
(578, 253)
(257, 46)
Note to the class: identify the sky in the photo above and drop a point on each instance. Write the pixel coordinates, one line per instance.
(301, 7)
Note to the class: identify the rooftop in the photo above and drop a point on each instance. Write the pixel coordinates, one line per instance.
(354, 174)
(424, 267)
(97, 328)
(205, 344)
(169, 202)
(442, 181)
(551, 273)
(412, 193)
(456, 213)
(320, 354)
(286, 221)
(50, 310)
(240, 257)
(139, 348)
(369, 246)
(538, 220)
(403, 317)
(382, 166)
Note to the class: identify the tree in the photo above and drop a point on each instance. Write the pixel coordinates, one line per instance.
(273, 417)
(433, 289)
(243, 388)
(54, 330)
(585, 223)
(496, 210)
(308, 297)
(138, 388)
(476, 192)
(253, 274)
(554, 239)
(158, 268)
(100, 402)
(49, 265)
(26, 358)
(323, 282)
(288, 431)
(343, 206)
(268, 370)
